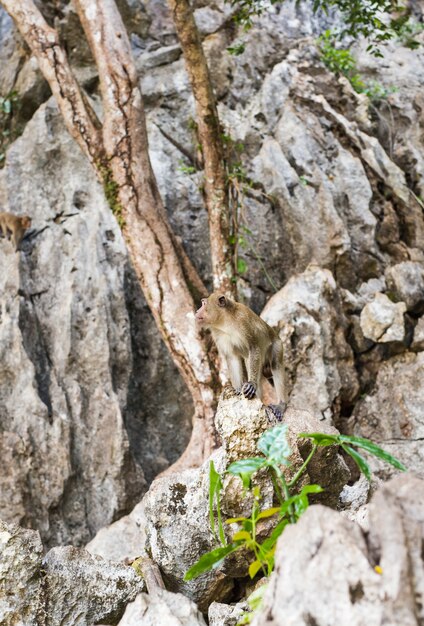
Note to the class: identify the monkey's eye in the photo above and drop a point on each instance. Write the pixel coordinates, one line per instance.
(222, 301)
(203, 301)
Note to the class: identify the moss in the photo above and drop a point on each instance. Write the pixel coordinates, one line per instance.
(110, 187)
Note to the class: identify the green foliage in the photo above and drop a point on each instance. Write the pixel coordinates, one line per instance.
(111, 189)
(347, 441)
(371, 20)
(341, 61)
(237, 49)
(186, 169)
(9, 105)
(254, 601)
(407, 30)
(215, 486)
(275, 449)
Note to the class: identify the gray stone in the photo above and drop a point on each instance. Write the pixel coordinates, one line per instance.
(21, 583)
(406, 282)
(82, 589)
(382, 320)
(418, 339)
(327, 571)
(392, 415)
(74, 410)
(177, 528)
(163, 607)
(308, 312)
(122, 541)
(220, 614)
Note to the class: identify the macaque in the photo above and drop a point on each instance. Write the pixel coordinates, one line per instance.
(251, 348)
(15, 226)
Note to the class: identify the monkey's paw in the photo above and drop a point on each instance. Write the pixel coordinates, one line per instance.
(277, 410)
(249, 390)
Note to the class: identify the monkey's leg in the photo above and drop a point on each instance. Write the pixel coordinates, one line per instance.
(279, 378)
(17, 238)
(236, 371)
(254, 371)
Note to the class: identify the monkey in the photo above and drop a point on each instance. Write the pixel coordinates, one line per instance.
(251, 348)
(15, 226)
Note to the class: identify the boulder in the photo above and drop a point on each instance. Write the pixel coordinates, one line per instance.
(68, 587)
(82, 589)
(406, 282)
(124, 540)
(22, 593)
(162, 608)
(328, 571)
(319, 361)
(221, 614)
(392, 414)
(176, 506)
(382, 320)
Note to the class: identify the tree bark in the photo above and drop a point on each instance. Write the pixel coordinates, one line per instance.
(123, 147)
(210, 138)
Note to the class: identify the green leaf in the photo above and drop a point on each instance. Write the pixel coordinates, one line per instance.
(359, 460)
(242, 535)
(235, 520)
(321, 439)
(268, 512)
(372, 448)
(210, 560)
(254, 568)
(311, 489)
(215, 486)
(273, 443)
(241, 266)
(245, 468)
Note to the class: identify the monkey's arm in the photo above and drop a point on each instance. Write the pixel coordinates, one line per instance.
(255, 363)
(278, 371)
(237, 371)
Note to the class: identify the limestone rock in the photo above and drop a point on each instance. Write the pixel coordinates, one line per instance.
(82, 589)
(418, 340)
(382, 320)
(163, 607)
(122, 541)
(69, 587)
(320, 364)
(176, 506)
(406, 282)
(220, 614)
(392, 415)
(326, 570)
(78, 421)
(176, 509)
(21, 583)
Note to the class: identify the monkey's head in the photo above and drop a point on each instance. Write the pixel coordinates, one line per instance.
(26, 221)
(213, 310)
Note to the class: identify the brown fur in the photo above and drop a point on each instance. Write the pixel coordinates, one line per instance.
(250, 347)
(14, 226)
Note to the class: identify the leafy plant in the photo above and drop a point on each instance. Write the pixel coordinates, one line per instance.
(186, 169)
(407, 30)
(9, 105)
(275, 454)
(341, 61)
(371, 20)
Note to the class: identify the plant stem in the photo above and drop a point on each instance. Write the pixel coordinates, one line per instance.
(285, 491)
(302, 469)
(277, 488)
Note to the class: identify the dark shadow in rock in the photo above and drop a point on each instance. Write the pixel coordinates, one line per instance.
(159, 407)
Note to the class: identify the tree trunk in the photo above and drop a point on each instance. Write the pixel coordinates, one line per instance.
(123, 150)
(210, 138)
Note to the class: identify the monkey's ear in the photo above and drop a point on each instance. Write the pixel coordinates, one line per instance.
(222, 301)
